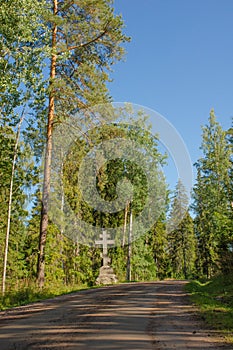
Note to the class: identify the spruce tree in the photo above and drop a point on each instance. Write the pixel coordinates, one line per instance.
(211, 200)
(181, 238)
(158, 239)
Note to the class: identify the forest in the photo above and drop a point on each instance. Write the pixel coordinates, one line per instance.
(56, 59)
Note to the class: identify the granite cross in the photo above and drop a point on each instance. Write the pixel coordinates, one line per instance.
(104, 242)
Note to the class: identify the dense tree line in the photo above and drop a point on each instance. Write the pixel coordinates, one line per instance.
(213, 199)
(55, 58)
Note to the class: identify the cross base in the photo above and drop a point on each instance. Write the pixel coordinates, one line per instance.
(106, 276)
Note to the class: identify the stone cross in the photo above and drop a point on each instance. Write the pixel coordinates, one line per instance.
(104, 242)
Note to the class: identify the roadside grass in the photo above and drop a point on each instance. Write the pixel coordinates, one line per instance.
(214, 299)
(31, 294)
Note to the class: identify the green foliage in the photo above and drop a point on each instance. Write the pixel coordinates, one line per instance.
(181, 238)
(67, 263)
(118, 257)
(143, 264)
(212, 205)
(22, 51)
(22, 179)
(89, 42)
(82, 267)
(112, 172)
(158, 240)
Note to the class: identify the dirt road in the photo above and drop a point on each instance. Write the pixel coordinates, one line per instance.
(129, 316)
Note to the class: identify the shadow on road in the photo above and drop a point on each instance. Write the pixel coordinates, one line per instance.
(129, 316)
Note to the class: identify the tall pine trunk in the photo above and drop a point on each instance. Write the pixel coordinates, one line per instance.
(48, 158)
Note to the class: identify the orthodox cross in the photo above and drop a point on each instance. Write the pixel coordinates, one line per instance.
(104, 242)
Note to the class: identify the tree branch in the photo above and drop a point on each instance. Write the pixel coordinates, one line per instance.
(88, 42)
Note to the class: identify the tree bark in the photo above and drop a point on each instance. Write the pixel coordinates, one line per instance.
(48, 158)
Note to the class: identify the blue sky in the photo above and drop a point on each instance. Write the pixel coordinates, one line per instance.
(179, 62)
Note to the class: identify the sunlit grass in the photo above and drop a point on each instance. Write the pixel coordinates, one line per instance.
(32, 293)
(214, 299)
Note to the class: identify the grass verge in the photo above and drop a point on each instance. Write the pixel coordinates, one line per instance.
(31, 294)
(214, 299)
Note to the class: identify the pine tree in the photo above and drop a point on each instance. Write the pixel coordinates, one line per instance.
(86, 40)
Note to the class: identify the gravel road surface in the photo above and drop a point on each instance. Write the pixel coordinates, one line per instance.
(133, 316)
